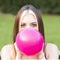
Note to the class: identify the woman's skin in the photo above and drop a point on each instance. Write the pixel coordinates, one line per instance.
(28, 20)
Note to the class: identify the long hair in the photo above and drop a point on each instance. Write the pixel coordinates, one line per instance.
(18, 16)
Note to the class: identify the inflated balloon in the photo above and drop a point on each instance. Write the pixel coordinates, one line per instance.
(29, 41)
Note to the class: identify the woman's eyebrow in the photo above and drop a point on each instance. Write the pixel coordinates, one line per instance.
(34, 22)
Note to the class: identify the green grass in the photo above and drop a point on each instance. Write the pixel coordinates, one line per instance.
(51, 26)
(6, 28)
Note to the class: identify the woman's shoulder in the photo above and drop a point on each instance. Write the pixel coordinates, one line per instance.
(7, 51)
(51, 45)
(7, 47)
(51, 50)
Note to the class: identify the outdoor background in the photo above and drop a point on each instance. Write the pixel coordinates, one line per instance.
(50, 12)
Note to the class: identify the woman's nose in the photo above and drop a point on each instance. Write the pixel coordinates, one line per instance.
(28, 26)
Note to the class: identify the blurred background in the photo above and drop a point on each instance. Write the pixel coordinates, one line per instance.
(50, 12)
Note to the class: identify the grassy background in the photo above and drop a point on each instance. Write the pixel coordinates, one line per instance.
(51, 26)
(6, 29)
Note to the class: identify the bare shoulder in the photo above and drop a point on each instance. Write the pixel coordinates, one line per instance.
(7, 48)
(7, 51)
(51, 46)
(51, 51)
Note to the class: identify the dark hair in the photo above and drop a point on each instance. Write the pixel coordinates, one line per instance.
(39, 19)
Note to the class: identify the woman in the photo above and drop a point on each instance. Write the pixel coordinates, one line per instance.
(29, 17)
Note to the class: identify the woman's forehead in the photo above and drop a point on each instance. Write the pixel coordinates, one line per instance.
(26, 13)
(28, 18)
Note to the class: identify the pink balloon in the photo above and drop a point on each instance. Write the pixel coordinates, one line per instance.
(29, 41)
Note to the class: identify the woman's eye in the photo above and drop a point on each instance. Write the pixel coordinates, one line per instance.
(33, 25)
(23, 25)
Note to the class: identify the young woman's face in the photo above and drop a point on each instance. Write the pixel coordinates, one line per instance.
(28, 20)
